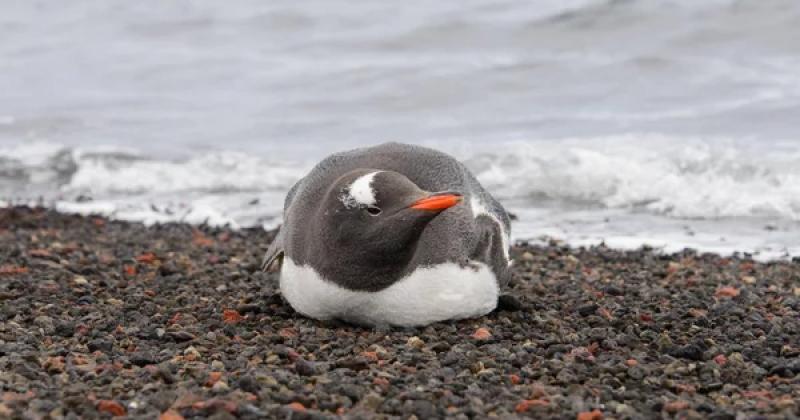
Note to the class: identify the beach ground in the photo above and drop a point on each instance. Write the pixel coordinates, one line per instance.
(102, 318)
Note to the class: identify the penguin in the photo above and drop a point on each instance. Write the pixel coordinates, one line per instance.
(391, 235)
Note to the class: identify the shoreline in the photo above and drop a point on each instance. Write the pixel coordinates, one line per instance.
(669, 244)
(107, 317)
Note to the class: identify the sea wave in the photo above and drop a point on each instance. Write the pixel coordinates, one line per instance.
(674, 177)
(684, 178)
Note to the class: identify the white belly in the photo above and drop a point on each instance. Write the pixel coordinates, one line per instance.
(438, 293)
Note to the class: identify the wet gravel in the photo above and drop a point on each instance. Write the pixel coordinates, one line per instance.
(102, 318)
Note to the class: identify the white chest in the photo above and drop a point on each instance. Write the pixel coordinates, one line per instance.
(438, 293)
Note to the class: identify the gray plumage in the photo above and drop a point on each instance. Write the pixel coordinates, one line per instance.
(358, 252)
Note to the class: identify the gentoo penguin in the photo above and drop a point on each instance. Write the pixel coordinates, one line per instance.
(394, 234)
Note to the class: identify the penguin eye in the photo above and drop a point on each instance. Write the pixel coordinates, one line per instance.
(373, 211)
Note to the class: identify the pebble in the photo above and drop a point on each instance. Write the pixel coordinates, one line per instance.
(588, 309)
(249, 384)
(181, 336)
(304, 367)
(220, 387)
(748, 280)
(191, 351)
(99, 344)
(415, 342)
(482, 334)
(689, 351)
(142, 359)
(45, 322)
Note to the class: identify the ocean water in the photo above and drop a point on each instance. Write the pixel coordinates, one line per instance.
(668, 123)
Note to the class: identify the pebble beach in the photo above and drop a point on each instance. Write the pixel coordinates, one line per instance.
(102, 318)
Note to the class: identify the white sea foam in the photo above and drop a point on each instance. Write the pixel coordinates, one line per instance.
(35, 153)
(224, 188)
(625, 191)
(226, 171)
(690, 178)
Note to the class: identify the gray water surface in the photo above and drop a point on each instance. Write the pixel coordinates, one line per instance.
(675, 111)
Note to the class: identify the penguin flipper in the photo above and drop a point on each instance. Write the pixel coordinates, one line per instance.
(273, 259)
(489, 249)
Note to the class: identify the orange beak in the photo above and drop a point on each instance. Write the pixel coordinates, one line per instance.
(437, 202)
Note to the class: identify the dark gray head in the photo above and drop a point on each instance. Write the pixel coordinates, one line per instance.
(368, 225)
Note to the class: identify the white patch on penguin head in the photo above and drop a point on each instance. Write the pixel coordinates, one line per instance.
(360, 193)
